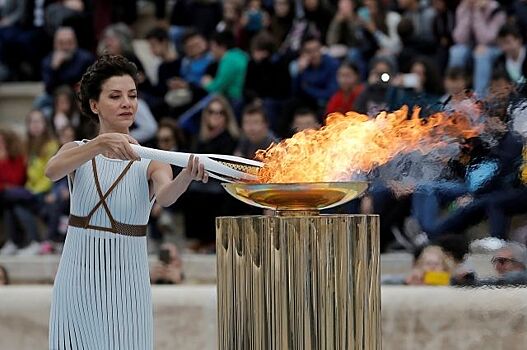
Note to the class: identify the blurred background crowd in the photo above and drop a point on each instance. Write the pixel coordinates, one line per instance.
(233, 76)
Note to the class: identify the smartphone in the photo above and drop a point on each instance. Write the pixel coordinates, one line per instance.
(410, 80)
(364, 13)
(164, 256)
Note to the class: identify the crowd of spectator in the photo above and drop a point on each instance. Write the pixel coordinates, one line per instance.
(235, 76)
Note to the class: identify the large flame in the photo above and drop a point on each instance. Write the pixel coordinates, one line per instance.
(354, 143)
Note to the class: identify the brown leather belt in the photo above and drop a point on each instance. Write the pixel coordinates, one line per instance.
(118, 228)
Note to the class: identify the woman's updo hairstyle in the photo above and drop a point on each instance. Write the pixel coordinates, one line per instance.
(104, 68)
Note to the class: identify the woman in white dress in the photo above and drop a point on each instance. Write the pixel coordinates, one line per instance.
(102, 297)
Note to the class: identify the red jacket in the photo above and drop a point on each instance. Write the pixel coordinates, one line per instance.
(339, 103)
(12, 172)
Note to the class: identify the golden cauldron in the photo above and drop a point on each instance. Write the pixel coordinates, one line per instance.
(298, 280)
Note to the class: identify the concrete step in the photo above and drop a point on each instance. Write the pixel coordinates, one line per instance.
(200, 268)
(16, 100)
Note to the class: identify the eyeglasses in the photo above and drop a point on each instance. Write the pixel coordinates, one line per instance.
(215, 111)
(502, 260)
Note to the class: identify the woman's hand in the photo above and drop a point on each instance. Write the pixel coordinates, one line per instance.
(117, 145)
(168, 190)
(194, 171)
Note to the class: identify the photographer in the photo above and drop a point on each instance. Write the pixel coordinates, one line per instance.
(169, 268)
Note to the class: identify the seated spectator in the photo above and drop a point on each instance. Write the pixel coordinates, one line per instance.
(510, 263)
(232, 22)
(350, 87)
(374, 97)
(345, 33)
(12, 160)
(11, 13)
(23, 40)
(432, 266)
(420, 88)
(4, 276)
(218, 135)
(318, 15)
(230, 77)
(145, 125)
(513, 60)
(22, 204)
(169, 138)
(422, 18)
(443, 26)
(314, 73)
(196, 58)
(254, 19)
(169, 67)
(475, 34)
(117, 39)
(74, 14)
(304, 119)
(169, 267)
(64, 65)
(65, 111)
(13, 175)
(256, 133)
(520, 10)
(382, 24)
(456, 84)
(412, 45)
(267, 77)
(489, 176)
(183, 88)
(511, 258)
(201, 16)
(281, 19)
(56, 203)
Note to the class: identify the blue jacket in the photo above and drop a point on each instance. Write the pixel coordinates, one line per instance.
(319, 83)
(69, 73)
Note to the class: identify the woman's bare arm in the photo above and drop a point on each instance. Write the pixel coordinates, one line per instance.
(71, 156)
(168, 190)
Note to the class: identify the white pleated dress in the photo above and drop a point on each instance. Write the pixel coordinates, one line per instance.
(102, 296)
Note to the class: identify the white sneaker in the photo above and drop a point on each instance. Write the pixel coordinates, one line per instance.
(9, 248)
(32, 249)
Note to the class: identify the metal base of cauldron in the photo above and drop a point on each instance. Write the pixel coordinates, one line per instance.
(298, 282)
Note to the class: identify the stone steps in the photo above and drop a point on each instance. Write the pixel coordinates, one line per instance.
(198, 268)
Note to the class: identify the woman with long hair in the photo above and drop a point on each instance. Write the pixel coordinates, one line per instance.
(101, 296)
(218, 134)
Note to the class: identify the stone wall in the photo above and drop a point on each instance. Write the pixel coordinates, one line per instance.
(413, 318)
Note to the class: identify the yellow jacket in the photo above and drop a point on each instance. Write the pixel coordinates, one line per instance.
(37, 182)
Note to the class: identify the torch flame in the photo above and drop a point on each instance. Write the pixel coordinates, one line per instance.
(354, 143)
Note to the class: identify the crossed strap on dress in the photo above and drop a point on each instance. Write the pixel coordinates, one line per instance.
(116, 227)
